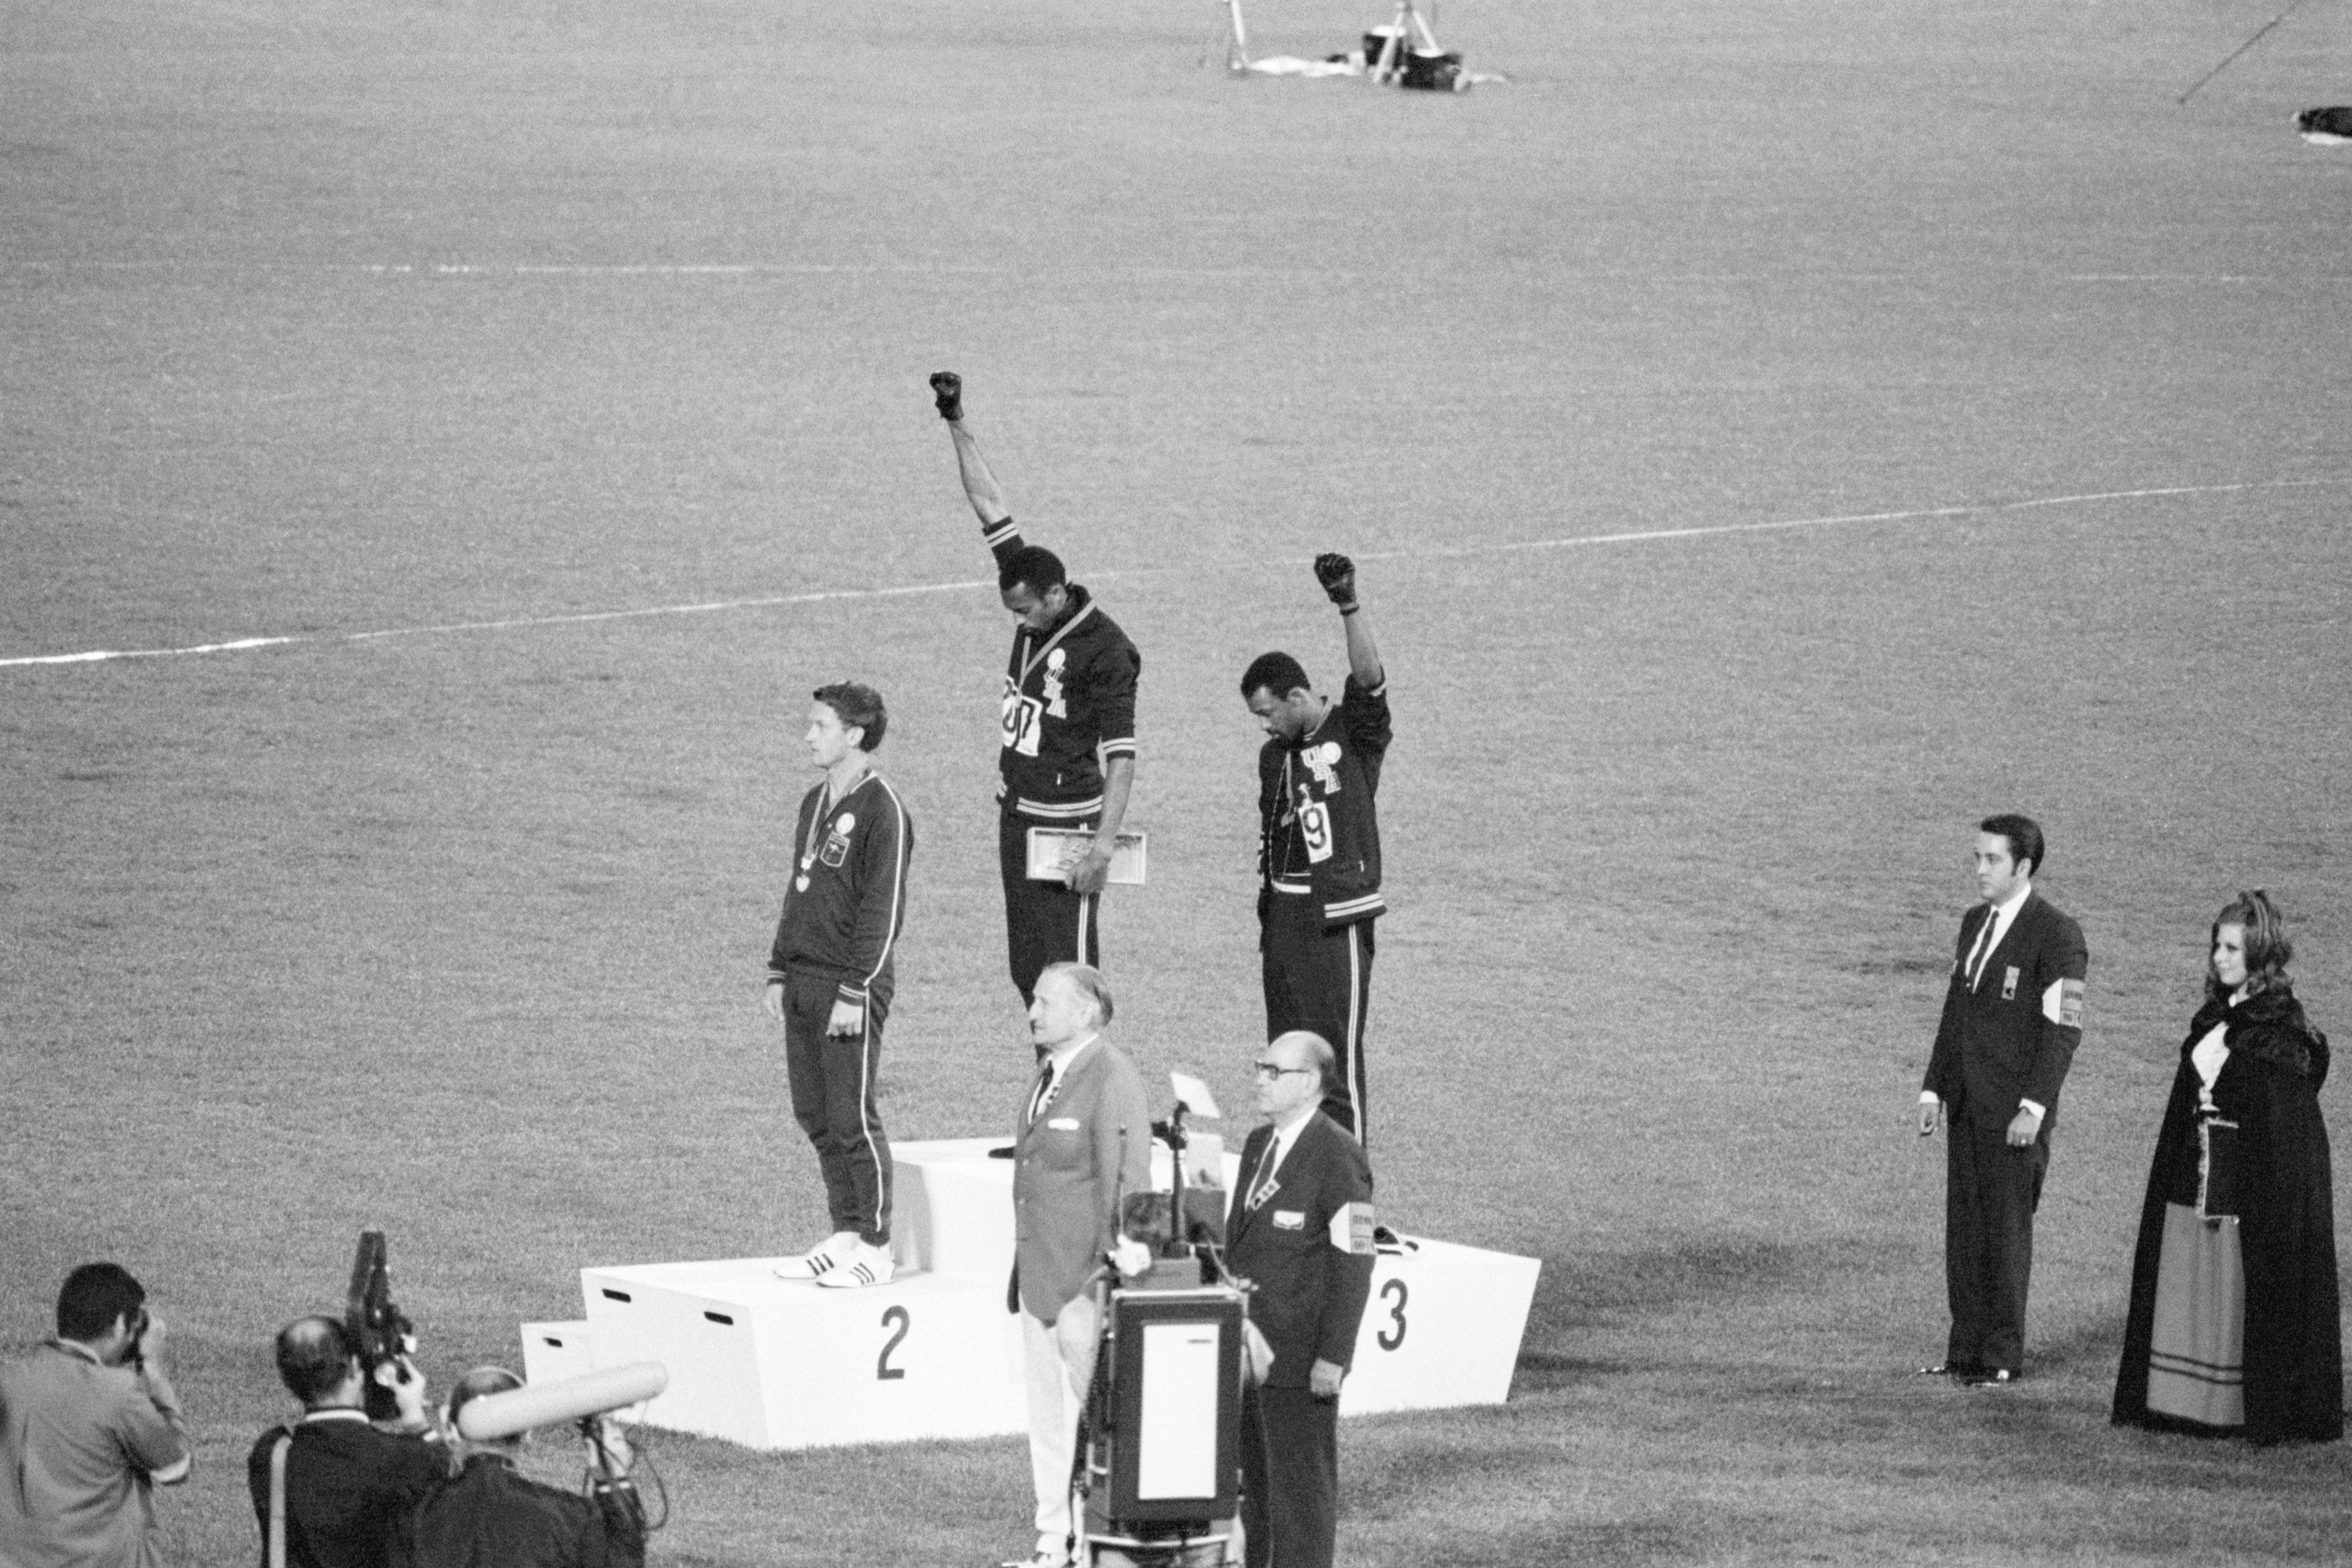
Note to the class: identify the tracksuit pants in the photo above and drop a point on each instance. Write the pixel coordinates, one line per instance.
(833, 1084)
(1045, 922)
(1320, 979)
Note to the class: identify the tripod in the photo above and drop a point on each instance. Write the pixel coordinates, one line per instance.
(1396, 44)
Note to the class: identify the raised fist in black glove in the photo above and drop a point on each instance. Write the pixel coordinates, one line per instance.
(947, 390)
(1336, 573)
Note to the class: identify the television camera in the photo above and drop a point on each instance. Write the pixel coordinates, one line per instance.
(380, 1331)
(1159, 1451)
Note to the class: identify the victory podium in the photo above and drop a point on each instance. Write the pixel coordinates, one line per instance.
(786, 1364)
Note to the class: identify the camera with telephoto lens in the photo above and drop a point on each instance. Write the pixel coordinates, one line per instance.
(380, 1331)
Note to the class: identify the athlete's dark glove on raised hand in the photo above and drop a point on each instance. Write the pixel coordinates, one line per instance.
(1336, 573)
(947, 390)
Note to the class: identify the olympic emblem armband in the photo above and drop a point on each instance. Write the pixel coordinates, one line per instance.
(1351, 1229)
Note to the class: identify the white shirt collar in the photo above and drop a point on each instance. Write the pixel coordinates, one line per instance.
(1284, 1137)
(1061, 1056)
(2005, 911)
(334, 1412)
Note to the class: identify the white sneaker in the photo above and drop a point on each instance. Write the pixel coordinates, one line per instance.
(862, 1265)
(819, 1259)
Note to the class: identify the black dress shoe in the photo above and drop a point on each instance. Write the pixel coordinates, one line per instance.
(1949, 1369)
(1991, 1377)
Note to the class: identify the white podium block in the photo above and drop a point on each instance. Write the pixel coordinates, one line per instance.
(554, 1352)
(952, 1209)
(951, 1206)
(785, 1364)
(1441, 1329)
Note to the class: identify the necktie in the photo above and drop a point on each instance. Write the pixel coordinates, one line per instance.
(1984, 947)
(1043, 1095)
(1262, 1187)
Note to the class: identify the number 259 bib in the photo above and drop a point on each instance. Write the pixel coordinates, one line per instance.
(1314, 827)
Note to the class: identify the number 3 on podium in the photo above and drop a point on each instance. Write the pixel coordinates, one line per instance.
(883, 1371)
(1395, 1294)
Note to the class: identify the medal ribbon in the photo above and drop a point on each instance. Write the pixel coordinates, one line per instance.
(1029, 666)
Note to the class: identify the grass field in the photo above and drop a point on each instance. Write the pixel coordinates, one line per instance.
(464, 345)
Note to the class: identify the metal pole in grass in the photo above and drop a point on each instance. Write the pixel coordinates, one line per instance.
(2292, 6)
(1236, 39)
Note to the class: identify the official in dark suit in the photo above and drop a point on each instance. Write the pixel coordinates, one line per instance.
(2012, 1017)
(1301, 1232)
(1084, 1135)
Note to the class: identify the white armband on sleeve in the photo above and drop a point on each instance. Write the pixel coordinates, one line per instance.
(2062, 1004)
(1351, 1229)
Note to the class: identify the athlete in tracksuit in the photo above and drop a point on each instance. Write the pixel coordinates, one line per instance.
(1319, 844)
(1066, 758)
(830, 977)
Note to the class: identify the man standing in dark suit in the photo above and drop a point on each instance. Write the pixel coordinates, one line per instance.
(1301, 1233)
(2012, 1017)
(1084, 1137)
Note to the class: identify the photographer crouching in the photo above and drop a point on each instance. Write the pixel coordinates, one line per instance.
(489, 1513)
(334, 1489)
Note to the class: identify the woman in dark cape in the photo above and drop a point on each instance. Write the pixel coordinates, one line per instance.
(2239, 1226)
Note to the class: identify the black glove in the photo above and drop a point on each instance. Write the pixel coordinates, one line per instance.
(947, 390)
(1336, 573)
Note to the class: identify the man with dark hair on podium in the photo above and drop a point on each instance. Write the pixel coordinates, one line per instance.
(1067, 752)
(332, 1489)
(1320, 842)
(1084, 1137)
(1300, 1235)
(489, 1513)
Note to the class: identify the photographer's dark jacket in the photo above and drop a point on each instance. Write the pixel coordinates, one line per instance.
(1069, 706)
(489, 1517)
(349, 1489)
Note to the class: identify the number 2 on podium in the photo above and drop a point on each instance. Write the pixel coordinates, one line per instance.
(883, 1371)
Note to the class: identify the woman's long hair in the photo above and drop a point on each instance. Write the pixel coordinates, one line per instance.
(2267, 947)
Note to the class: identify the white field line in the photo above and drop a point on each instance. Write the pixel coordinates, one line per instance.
(1577, 541)
(469, 270)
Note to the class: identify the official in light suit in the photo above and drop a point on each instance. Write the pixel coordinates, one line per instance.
(1070, 1163)
(2012, 1017)
(1301, 1232)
